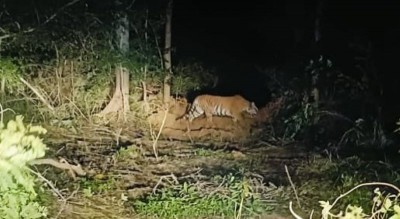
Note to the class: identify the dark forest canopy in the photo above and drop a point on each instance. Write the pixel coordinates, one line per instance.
(237, 36)
(262, 25)
(254, 32)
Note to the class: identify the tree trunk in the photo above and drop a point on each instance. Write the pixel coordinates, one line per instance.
(3, 87)
(296, 12)
(167, 54)
(317, 37)
(122, 33)
(318, 20)
(120, 99)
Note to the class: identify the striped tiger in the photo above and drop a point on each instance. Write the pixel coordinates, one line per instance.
(209, 105)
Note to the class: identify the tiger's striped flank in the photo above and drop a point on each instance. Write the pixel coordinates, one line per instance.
(230, 106)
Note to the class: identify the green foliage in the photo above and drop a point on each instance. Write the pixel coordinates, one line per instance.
(71, 62)
(97, 186)
(321, 75)
(306, 115)
(233, 196)
(9, 73)
(383, 206)
(19, 145)
(132, 152)
(318, 66)
(205, 152)
(346, 177)
(386, 204)
(360, 197)
(317, 105)
(398, 126)
(300, 121)
(190, 77)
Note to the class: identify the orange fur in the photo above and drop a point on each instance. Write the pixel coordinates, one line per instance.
(209, 105)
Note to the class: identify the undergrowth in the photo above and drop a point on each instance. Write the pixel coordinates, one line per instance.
(73, 68)
(351, 180)
(230, 197)
(19, 144)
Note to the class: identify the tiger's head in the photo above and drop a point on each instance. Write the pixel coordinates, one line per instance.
(252, 109)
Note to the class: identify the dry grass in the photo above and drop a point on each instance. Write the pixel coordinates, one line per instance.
(125, 158)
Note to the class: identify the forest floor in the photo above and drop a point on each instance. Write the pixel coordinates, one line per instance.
(124, 164)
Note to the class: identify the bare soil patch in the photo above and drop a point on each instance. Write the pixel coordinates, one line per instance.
(220, 129)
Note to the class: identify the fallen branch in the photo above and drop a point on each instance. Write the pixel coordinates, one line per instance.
(292, 211)
(55, 190)
(293, 187)
(172, 176)
(73, 170)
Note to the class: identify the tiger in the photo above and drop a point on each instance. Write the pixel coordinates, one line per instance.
(210, 105)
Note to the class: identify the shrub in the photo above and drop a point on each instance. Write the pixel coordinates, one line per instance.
(19, 145)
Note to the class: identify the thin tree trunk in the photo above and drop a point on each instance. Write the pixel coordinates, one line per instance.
(318, 20)
(167, 54)
(122, 33)
(317, 38)
(3, 86)
(120, 99)
(296, 12)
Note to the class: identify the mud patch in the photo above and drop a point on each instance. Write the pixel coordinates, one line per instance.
(220, 129)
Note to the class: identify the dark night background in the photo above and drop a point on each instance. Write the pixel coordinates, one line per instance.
(237, 36)
(240, 37)
(70, 66)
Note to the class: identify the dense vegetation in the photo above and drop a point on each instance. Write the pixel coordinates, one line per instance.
(57, 70)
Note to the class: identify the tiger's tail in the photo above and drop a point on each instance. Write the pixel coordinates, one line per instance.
(186, 114)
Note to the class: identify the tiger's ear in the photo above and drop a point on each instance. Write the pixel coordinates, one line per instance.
(253, 105)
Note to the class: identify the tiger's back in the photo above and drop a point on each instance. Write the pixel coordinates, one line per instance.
(209, 105)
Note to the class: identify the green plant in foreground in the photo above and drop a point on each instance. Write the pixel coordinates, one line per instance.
(19, 145)
(234, 197)
(383, 205)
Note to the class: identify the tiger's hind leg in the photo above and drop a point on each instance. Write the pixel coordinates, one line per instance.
(235, 120)
(188, 131)
(210, 123)
(236, 124)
